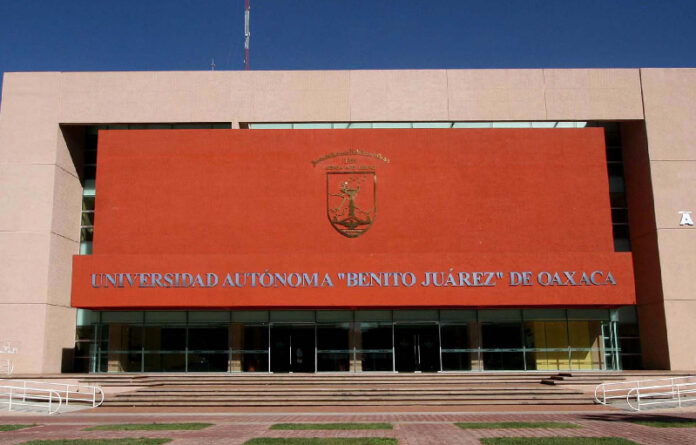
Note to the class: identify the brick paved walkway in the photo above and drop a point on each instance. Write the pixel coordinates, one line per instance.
(409, 428)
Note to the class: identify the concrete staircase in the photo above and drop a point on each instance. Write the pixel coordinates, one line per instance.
(287, 390)
(211, 390)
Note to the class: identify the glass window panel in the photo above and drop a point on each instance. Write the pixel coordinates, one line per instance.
(458, 361)
(90, 171)
(625, 314)
(88, 203)
(501, 335)
(511, 125)
(333, 361)
(249, 344)
(588, 314)
(276, 126)
(85, 247)
(250, 316)
(616, 184)
(500, 315)
(86, 317)
(458, 336)
(631, 362)
(549, 341)
(614, 154)
(544, 314)
(432, 124)
(312, 126)
(292, 316)
(375, 361)
(622, 245)
(629, 345)
(127, 361)
(87, 218)
(375, 336)
(503, 361)
(462, 315)
(619, 215)
(419, 315)
(165, 362)
(340, 125)
(158, 338)
(87, 234)
(85, 333)
(90, 157)
(373, 315)
(165, 316)
(618, 200)
(207, 362)
(391, 125)
(471, 125)
(88, 189)
(121, 346)
(208, 316)
(334, 336)
(324, 316)
(587, 343)
(122, 317)
(543, 124)
(360, 125)
(208, 338)
(627, 330)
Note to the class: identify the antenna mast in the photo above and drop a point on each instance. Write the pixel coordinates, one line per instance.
(246, 34)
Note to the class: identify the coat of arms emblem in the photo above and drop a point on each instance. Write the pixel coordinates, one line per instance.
(351, 201)
(351, 189)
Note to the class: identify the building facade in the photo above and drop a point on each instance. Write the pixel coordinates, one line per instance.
(347, 221)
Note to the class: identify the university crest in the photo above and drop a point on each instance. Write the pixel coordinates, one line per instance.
(351, 190)
(351, 201)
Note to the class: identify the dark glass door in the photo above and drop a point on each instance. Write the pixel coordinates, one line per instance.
(417, 348)
(292, 349)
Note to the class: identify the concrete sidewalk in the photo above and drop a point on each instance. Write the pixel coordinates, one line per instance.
(410, 428)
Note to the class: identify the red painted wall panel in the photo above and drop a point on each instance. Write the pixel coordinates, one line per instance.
(244, 200)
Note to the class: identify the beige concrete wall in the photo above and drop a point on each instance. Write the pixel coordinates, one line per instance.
(669, 97)
(40, 199)
(325, 96)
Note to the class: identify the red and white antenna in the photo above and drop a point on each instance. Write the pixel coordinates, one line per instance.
(246, 34)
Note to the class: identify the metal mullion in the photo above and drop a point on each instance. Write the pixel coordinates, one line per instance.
(393, 345)
(439, 340)
(354, 325)
(524, 343)
(479, 341)
(142, 345)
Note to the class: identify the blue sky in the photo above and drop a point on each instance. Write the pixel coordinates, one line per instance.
(75, 35)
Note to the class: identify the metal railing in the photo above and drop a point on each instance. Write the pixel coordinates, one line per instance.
(30, 396)
(6, 366)
(70, 393)
(650, 392)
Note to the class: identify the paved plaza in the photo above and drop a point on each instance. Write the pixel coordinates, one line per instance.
(410, 428)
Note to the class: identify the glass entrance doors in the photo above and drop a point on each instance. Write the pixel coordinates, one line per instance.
(292, 348)
(417, 348)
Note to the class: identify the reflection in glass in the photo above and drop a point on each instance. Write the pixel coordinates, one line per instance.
(249, 344)
(502, 346)
(334, 347)
(207, 349)
(457, 342)
(373, 344)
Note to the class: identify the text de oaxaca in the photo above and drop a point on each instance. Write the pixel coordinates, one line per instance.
(268, 279)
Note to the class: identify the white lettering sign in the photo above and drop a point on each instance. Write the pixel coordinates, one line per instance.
(686, 218)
